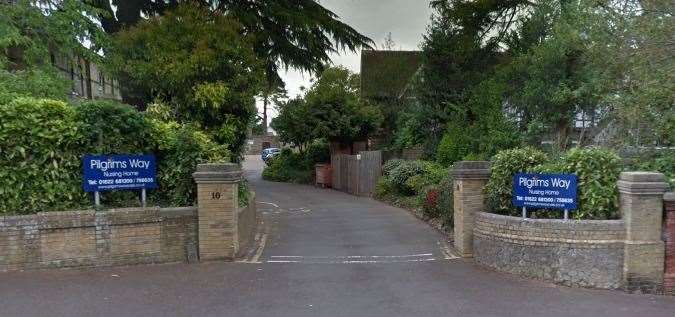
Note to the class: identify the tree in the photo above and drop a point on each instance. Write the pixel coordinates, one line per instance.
(31, 30)
(335, 103)
(332, 109)
(271, 93)
(633, 59)
(388, 43)
(199, 63)
(294, 124)
(298, 34)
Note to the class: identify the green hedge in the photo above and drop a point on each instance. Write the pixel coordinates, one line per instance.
(42, 143)
(297, 167)
(597, 171)
(505, 164)
(290, 167)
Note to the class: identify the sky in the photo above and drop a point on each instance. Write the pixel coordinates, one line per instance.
(405, 19)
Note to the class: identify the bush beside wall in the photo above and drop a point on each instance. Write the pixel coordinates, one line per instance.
(418, 185)
(42, 143)
(597, 171)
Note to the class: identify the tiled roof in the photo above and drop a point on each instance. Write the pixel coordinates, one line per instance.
(386, 73)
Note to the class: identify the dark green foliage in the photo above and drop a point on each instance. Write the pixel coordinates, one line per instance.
(504, 165)
(200, 64)
(179, 148)
(662, 161)
(318, 152)
(597, 172)
(29, 30)
(294, 123)
(110, 127)
(400, 176)
(411, 177)
(290, 167)
(337, 110)
(298, 34)
(41, 143)
(332, 109)
(454, 146)
(35, 83)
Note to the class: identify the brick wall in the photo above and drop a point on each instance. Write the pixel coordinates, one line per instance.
(88, 238)
(669, 238)
(574, 253)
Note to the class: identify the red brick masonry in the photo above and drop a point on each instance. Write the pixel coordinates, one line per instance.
(669, 237)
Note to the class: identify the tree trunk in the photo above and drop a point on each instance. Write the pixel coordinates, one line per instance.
(264, 123)
(562, 134)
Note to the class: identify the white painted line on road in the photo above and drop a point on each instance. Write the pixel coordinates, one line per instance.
(447, 253)
(266, 203)
(352, 256)
(353, 261)
(261, 247)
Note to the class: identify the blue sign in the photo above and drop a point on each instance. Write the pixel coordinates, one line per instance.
(550, 191)
(109, 172)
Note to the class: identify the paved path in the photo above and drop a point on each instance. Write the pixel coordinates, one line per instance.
(326, 254)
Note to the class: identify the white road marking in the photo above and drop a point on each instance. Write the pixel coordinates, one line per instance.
(352, 256)
(353, 261)
(447, 253)
(266, 203)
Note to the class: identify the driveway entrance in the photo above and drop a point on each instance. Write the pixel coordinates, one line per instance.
(326, 253)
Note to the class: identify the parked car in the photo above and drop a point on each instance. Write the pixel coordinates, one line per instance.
(269, 153)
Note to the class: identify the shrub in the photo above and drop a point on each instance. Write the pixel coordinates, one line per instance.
(505, 164)
(453, 147)
(446, 201)
(111, 127)
(597, 172)
(390, 165)
(318, 152)
(400, 175)
(289, 167)
(40, 150)
(431, 202)
(663, 161)
(179, 148)
(383, 188)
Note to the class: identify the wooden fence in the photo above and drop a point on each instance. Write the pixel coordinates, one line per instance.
(357, 174)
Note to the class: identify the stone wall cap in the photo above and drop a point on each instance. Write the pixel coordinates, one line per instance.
(642, 177)
(471, 170)
(669, 196)
(217, 173)
(644, 188)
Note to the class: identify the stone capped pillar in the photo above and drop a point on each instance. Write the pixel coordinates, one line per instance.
(469, 179)
(217, 202)
(641, 207)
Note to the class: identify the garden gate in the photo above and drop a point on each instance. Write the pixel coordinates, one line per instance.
(356, 174)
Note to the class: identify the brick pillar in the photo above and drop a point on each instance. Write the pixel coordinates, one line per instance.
(469, 178)
(217, 187)
(641, 207)
(669, 237)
